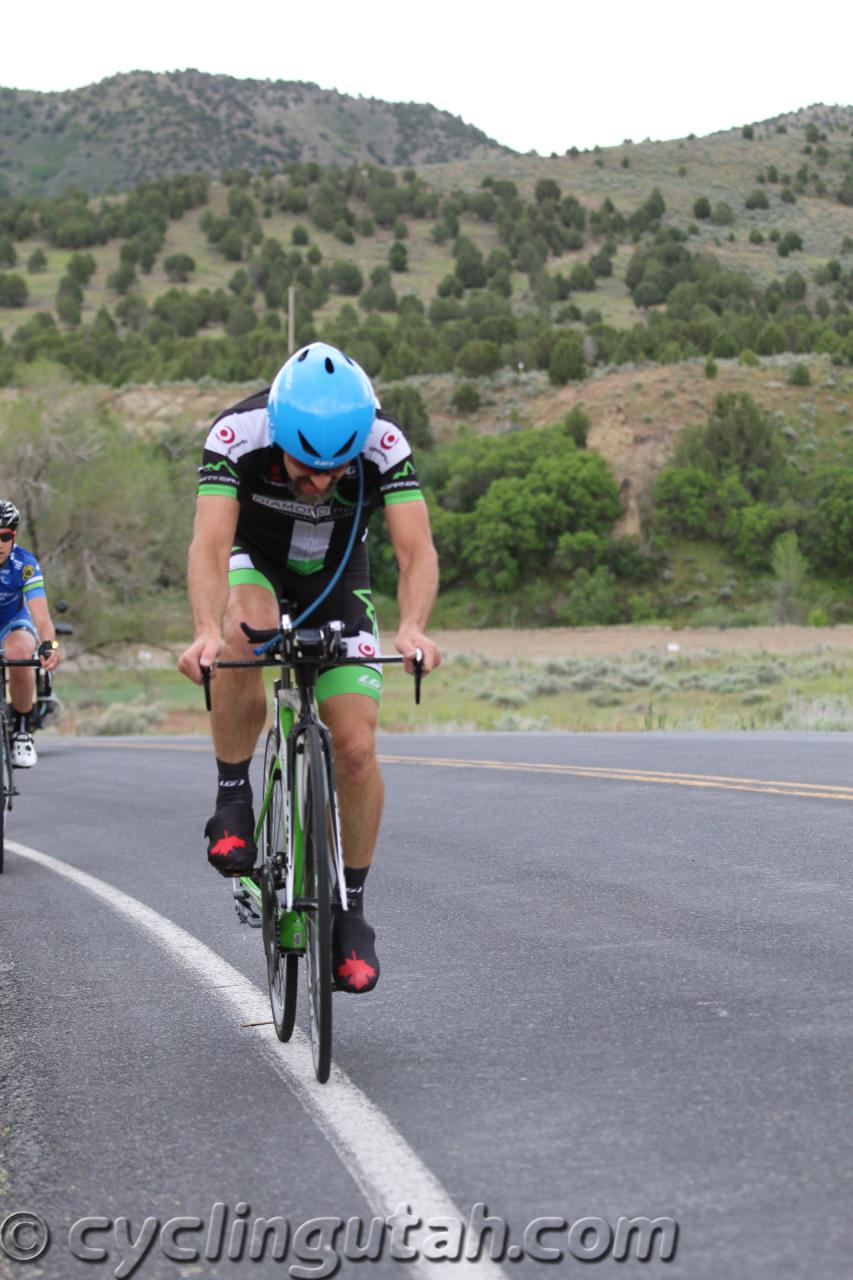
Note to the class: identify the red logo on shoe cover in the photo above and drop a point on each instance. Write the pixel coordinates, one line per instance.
(226, 844)
(366, 650)
(356, 973)
(226, 435)
(389, 440)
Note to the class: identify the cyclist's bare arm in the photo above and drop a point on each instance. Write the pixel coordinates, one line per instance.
(417, 587)
(207, 580)
(40, 614)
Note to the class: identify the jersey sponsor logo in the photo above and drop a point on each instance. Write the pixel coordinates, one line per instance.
(386, 445)
(29, 570)
(226, 434)
(302, 509)
(366, 650)
(408, 469)
(372, 681)
(223, 466)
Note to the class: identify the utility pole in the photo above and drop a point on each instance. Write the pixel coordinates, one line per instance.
(291, 319)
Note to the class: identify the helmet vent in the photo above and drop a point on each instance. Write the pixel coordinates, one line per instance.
(309, 448)
(330, 368)
(302, 355)
(345, 448)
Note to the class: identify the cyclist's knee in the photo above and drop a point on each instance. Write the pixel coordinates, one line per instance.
(257, 608)
(355, 750)
(18, 645)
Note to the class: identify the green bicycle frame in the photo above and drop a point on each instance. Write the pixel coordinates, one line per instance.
(291, 922)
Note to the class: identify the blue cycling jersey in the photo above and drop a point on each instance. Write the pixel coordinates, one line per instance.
(21, 580)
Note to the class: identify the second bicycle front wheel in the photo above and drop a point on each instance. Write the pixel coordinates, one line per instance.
(316, 881)
(5, 784)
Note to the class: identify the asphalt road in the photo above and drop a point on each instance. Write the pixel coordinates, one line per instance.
(616, 983)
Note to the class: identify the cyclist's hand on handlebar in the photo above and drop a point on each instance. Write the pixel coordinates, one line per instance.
(408, 641)
(203, 652)
(48, 653)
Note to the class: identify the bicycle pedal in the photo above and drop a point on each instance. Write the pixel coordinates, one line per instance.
(246, 912)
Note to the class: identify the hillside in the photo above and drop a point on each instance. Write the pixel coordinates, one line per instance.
(610, 299)
(146, 125)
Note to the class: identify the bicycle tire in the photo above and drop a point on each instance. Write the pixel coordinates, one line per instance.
(316, 881)
(5, 783)
(282, 969)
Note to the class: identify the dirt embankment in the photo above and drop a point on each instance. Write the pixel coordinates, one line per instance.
(589, 642)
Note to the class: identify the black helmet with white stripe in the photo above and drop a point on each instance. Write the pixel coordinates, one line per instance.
(9, 515)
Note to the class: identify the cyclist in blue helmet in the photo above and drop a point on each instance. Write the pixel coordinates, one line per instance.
(277, 501)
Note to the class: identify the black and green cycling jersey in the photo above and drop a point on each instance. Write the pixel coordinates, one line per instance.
(291, 547)
(240, 462)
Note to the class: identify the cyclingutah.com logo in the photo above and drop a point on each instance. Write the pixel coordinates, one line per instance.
(320, 1246)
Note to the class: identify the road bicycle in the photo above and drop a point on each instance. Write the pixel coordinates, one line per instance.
(45, 704)
(298, 884)
(8, 790)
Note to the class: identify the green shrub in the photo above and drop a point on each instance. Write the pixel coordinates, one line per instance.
(567, 363)
(576, 423)
(466, 398)
(682, 500)
(800, 376)
(478, 358)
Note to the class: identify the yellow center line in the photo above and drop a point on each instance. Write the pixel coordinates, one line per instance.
(712, 781)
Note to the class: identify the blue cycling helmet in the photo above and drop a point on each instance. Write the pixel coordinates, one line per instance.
(321, 407)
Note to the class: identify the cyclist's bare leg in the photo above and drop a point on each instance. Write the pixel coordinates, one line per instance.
(21, 644)
(238, 696)
(352, 719)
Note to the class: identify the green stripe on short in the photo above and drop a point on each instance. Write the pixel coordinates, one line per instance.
(240, 577)
(350, 680)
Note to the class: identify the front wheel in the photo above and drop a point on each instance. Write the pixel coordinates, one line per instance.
(5, 786)
(282, 969)
(318, 835)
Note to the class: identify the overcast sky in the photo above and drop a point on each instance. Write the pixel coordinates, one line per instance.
(534, 75)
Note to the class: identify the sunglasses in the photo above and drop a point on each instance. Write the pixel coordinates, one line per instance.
(6, 535)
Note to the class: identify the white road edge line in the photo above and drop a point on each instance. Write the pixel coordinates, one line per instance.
(374, 1154)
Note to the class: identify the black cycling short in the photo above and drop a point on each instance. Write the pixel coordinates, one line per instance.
(350, 601)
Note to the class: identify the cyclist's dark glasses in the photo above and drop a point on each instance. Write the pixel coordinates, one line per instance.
(6, 535)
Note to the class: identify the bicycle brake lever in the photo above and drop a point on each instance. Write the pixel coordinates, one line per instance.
(205, 679)
(419, 669)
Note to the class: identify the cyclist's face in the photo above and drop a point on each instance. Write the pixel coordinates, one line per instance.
(6, 544)
(310, 484)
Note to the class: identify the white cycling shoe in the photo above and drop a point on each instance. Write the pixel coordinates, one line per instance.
(23, 751)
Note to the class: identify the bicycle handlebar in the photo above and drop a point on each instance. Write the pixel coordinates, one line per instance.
(19, 662)
(298, 660)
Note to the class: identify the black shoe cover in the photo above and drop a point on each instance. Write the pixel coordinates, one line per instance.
(354, 964)
(231, 844)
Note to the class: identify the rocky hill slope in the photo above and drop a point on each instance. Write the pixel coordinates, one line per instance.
(145, 125)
